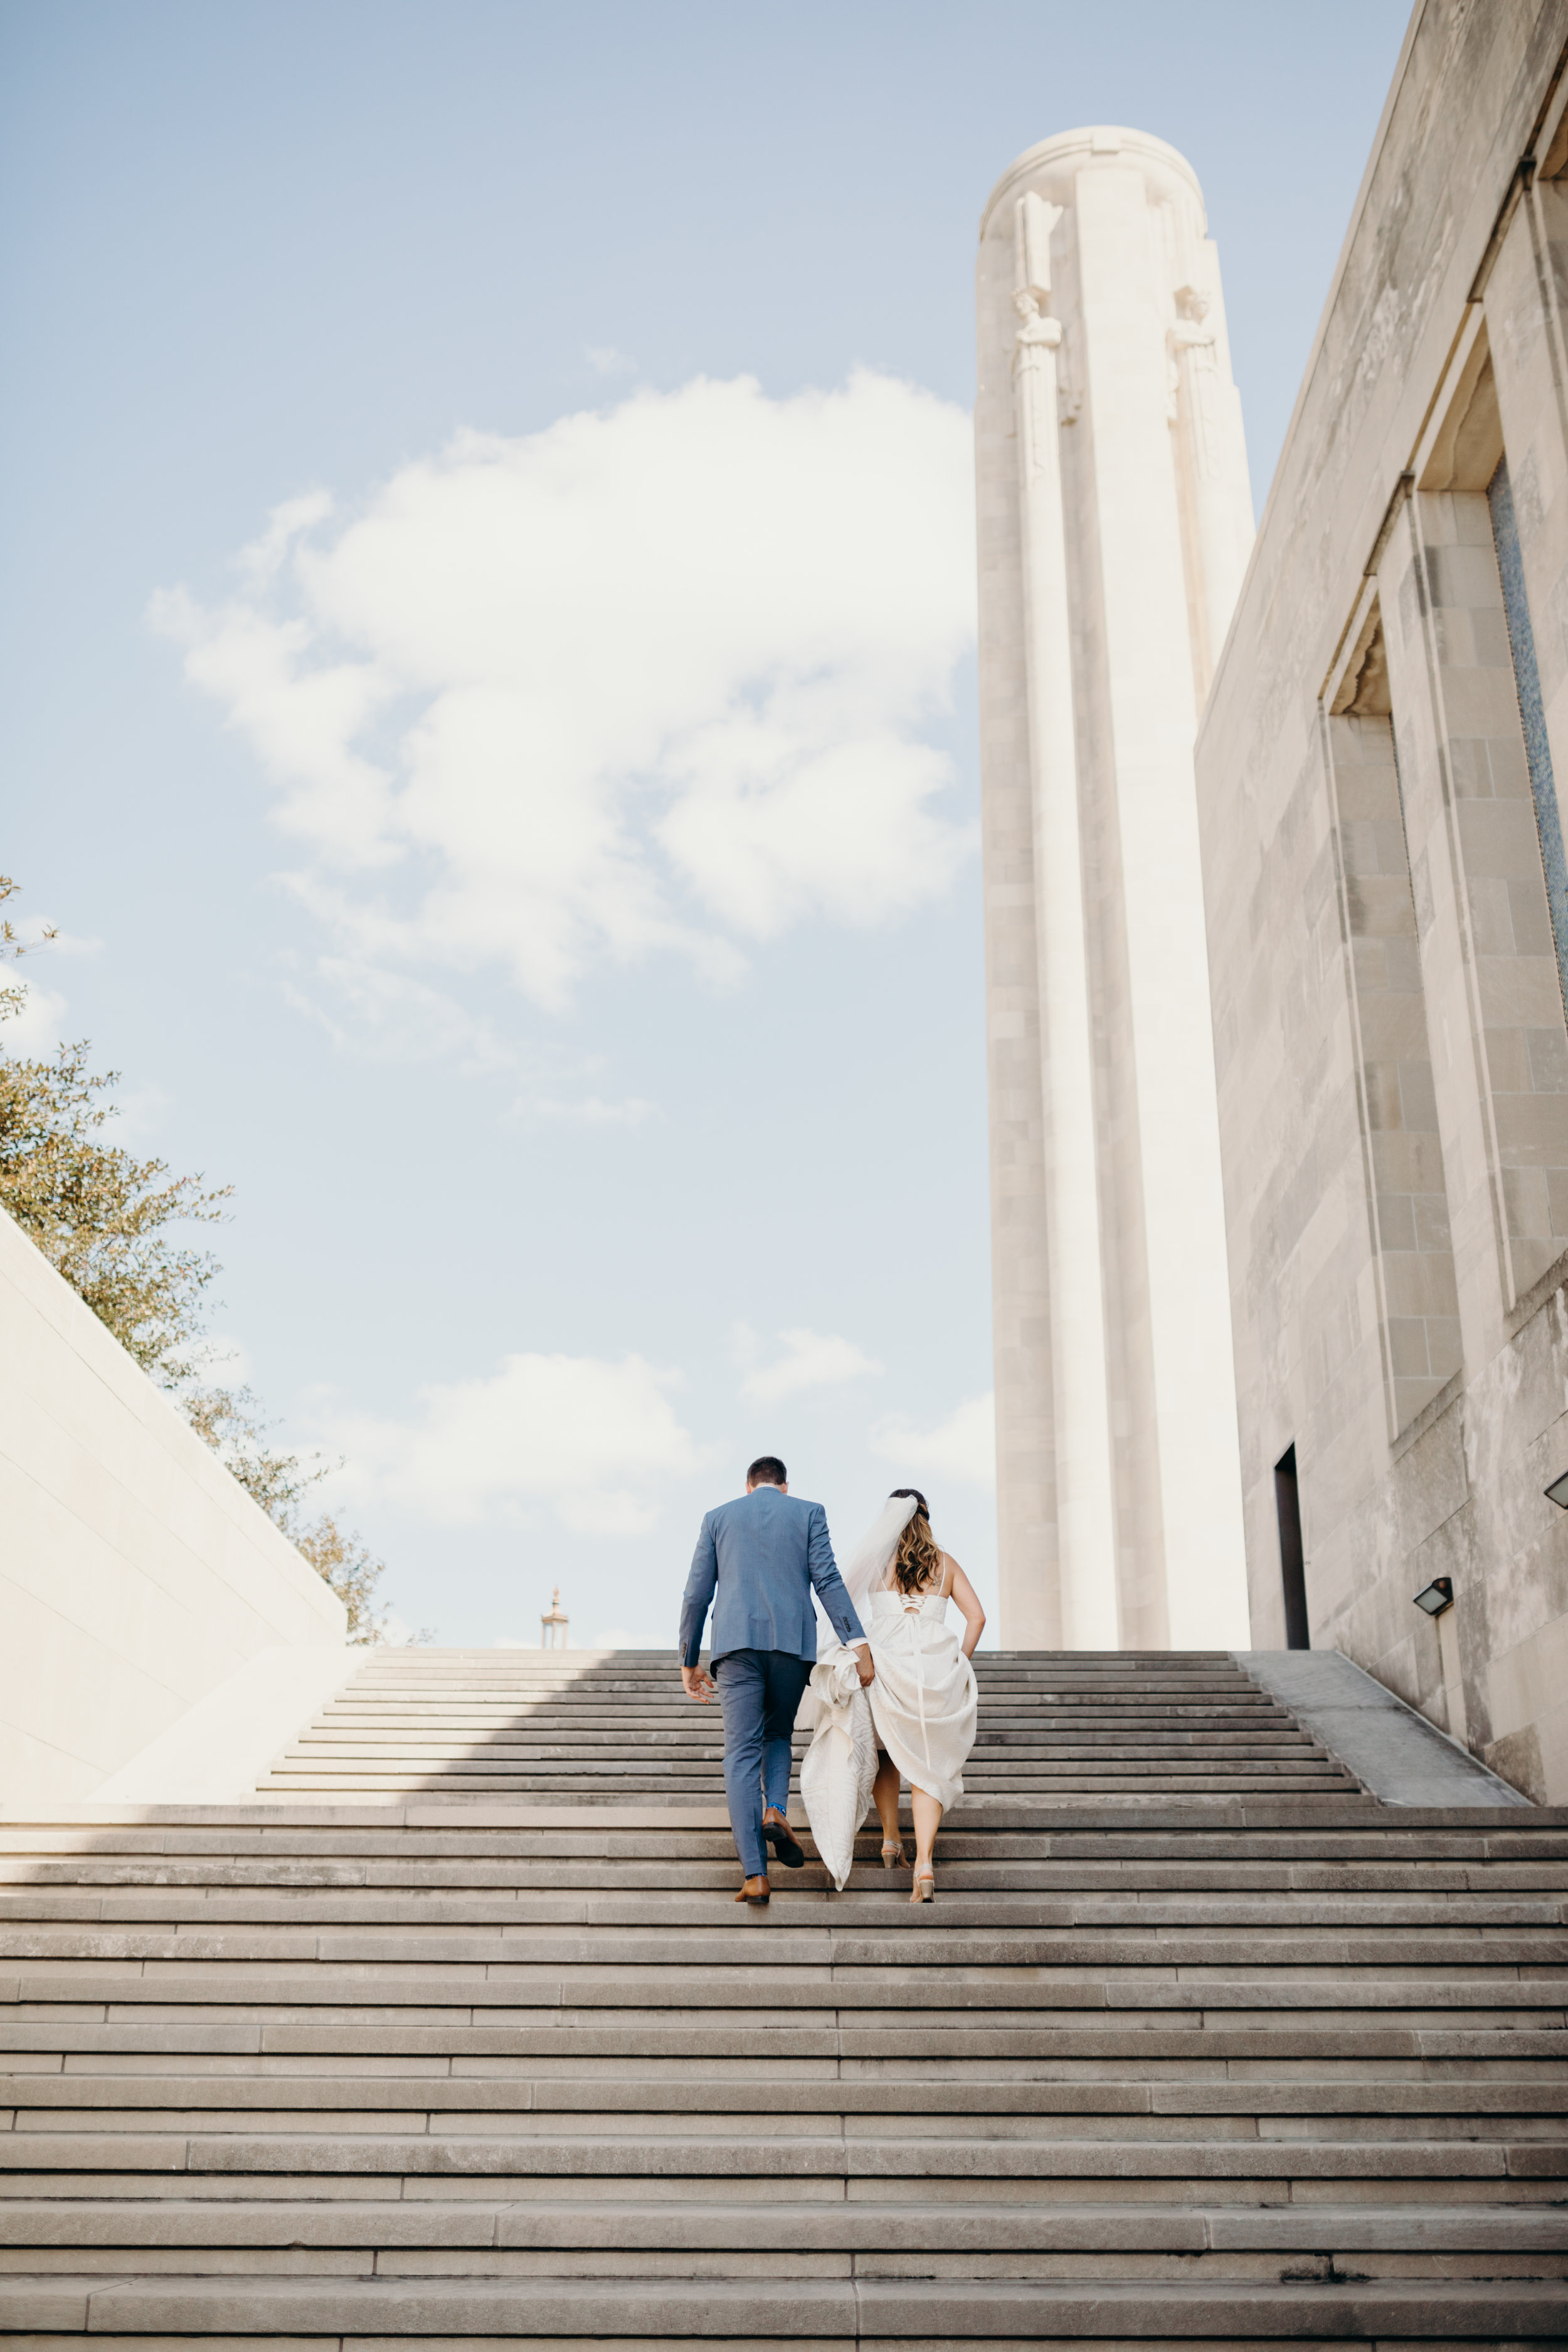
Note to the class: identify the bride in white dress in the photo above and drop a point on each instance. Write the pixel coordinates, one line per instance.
(920, 1720)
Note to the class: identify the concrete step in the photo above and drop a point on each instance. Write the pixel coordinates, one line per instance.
(667, 1928)
(402, 1995)
(111, 2229)
(1078, 1863)
(1343, 1827)
(1008, 1719)
(518, 1861)
(688, 1939)
(822, 2311)
(971, 1897)
(521, 2239)
(773, 2081)
(624, 2146)
(1136, 2049)
(466, 1900)
(1178, 1752)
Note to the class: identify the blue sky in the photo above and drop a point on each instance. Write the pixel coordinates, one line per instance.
(488, 593)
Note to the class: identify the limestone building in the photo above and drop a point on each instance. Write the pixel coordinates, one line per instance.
(1387, 911)
(1115, 522)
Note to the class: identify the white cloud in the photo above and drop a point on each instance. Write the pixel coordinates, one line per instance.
(811, 1360)
(393, 1016)
(36, 930)
(263, 560)
(962, 1446)
(39, 1024)
(606, 360)
(655, 678)
(596, 1443)
(36, 1026)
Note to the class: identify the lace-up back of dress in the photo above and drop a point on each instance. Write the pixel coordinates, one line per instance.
(912, 1600)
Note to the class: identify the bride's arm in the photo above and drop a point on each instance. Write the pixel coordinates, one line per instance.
(968, 1600)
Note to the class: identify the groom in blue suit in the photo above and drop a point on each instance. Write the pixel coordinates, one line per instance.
(757, 1563)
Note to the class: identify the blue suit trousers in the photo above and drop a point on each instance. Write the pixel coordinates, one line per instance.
(760, 1691)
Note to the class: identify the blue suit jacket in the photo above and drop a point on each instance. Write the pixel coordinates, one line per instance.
(761, 1555)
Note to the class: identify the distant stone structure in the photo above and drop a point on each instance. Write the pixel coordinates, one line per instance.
(1115, 523)
(1387, 911)
(552, 1624)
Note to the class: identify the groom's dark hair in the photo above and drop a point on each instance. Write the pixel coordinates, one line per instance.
(767, 1470)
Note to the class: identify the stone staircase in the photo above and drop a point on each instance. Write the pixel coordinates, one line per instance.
(454, 2036)
(550, 1727)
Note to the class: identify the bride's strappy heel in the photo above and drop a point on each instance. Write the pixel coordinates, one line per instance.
(892, 1853)
(924, 1890)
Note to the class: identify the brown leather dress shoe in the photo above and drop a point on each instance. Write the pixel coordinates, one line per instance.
(786, 1846)
(753, 1890)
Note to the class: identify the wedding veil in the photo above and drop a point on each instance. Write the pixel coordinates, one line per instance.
(865, 1571)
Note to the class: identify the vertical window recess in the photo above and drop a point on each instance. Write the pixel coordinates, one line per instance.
(1532, 712)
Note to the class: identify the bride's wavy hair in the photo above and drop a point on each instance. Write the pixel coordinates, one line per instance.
(917, 1560)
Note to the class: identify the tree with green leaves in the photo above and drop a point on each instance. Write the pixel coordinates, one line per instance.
(103, 1220)
(98, 1215)
(230, 1421)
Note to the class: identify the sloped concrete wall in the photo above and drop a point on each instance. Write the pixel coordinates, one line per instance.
(135, 1574)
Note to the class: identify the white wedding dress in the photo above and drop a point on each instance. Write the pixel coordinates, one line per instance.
(921, 1708)
(924, 1701)
(838, 1768)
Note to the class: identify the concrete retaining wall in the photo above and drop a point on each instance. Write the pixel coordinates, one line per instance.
(135, 1574)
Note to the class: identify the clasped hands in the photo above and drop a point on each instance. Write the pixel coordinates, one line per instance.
(699, 1684)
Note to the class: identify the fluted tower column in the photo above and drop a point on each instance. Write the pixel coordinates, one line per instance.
(1080, 1419)
(1115, 522)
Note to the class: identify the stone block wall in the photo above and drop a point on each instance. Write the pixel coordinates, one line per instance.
(1388, 914)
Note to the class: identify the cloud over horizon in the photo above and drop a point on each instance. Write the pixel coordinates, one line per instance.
(962, 1446)
(810, 1359)
(598, 1444)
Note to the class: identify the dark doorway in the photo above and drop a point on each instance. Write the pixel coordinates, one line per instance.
(1293, 1572)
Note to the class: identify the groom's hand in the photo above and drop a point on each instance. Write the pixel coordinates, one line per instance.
(698, 1682)
(863, 1659)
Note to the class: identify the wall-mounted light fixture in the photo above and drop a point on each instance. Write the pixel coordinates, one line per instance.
(1437, 1601)
(1558, 1492)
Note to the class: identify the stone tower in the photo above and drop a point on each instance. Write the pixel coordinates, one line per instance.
(1115, 525)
